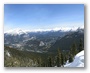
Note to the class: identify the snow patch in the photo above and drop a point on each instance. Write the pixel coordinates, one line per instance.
(78, 61)
(8, 54)
(41, 43)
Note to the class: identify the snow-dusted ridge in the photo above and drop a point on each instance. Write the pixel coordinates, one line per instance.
(16, 31)
(20, 31)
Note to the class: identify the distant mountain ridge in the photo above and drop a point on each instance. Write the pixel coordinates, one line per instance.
(41, 41)
(19, 31)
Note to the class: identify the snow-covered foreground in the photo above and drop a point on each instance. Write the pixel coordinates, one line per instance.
(78, 61)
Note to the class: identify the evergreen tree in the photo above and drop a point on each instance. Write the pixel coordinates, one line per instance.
(49, 61)
(43, 64)
(58, 59)
(81, 45)
(73, 50)
(65, 58)
(62, 59)
(39, 61)
(70, 58)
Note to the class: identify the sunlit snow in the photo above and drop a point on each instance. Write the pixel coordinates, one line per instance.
(78, 61)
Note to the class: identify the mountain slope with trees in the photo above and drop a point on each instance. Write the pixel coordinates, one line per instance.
(65, 42)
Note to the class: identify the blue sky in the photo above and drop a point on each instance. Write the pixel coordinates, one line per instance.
(43, 16)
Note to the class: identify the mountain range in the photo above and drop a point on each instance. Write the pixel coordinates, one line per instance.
(42, 41)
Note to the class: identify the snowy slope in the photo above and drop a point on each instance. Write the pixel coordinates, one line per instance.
(78, 61)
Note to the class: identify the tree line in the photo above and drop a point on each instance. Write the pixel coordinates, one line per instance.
(59, 60)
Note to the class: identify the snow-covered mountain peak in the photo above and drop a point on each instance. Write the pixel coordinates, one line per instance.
(16, 31)
(62, 29)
